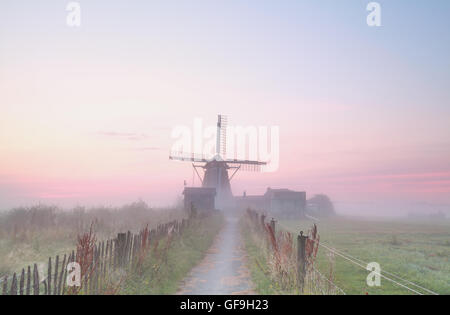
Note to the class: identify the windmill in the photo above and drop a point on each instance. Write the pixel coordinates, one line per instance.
(215, 170)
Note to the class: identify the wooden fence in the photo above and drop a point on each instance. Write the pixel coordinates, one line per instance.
(258, 221)
(307, 277)
(97, 261)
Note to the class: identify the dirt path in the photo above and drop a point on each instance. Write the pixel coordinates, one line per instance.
(223, 270)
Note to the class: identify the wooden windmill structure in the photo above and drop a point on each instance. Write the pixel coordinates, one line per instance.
(215, 170)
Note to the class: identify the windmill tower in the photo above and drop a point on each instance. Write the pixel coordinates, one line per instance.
(215, 170)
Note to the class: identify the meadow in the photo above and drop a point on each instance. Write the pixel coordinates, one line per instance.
(416, 251)
(32, 234)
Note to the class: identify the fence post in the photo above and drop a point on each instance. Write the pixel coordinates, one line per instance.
(272, 225)
(301, 261)
(120, 248)
(128, 248)
(102, 261)
(111, 255)
(49, 277)
(28, 289)
(13, 285)
(55, 276)
(35, 280)
(5, 285)
(61, 275)
(22, 281)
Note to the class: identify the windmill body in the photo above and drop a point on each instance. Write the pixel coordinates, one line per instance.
(216, 170)
(216, 176)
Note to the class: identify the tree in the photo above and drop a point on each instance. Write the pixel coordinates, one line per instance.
(321, 206)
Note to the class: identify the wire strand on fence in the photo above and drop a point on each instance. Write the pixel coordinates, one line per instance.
(312, 218)
(358, 262)
(362, 266)
(389, 273)
(328, 280)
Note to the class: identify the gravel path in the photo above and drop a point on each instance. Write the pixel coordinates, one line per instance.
(223, 270)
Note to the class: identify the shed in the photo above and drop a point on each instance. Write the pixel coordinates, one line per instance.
(202, 198)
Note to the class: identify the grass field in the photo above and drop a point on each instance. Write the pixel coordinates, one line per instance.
(16, 254)
(160, 270)
(415, 251)
(32, 235)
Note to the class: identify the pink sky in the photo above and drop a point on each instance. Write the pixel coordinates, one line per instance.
(86, 115)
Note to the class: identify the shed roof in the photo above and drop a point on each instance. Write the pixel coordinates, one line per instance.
(284, 194)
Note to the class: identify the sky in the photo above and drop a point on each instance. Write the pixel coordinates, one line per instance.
(87, 113)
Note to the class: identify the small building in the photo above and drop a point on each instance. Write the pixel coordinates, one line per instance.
(286, 202)
(203, 199)
(277, 202)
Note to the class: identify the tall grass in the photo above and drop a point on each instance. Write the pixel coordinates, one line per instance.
(32, 234)
(274, 253)
(169, 260)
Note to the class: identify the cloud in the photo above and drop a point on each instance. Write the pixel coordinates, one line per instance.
(130, 136)
(443, 176)
(124, 135)
(148, 149)
(58, 195)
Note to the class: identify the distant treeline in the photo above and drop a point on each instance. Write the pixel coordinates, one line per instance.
(106, 220)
